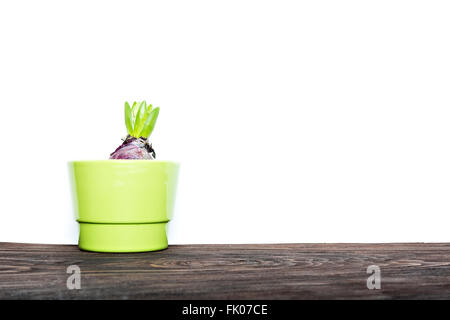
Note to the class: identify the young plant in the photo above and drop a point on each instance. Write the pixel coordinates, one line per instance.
(140, 120)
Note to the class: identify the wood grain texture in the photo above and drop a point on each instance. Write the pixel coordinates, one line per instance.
(272, 271)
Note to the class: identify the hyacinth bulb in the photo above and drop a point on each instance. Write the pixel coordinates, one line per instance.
(140, 120)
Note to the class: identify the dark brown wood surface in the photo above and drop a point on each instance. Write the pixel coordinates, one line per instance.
(272, 271)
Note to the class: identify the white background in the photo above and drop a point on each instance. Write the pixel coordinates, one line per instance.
(294, 121)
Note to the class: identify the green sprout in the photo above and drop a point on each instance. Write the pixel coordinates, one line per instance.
(140, 119)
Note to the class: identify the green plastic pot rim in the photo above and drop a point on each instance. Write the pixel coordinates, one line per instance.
(128, 161)
(123, 223)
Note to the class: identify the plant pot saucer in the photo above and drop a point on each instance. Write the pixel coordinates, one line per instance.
(115, 237)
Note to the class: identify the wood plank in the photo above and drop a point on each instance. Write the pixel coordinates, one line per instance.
(265, 271)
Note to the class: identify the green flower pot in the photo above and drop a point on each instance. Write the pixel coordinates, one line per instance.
(123, 205)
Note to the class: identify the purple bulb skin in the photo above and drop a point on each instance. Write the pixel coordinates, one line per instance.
(134, 149)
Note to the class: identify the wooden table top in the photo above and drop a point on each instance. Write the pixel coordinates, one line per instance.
(263, 271)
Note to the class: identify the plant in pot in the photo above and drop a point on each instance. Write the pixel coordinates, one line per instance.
(124, 204)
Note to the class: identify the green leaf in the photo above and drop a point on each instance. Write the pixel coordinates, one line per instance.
(149, 124)
(140, 119)
(134, 110)
(128, 121)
